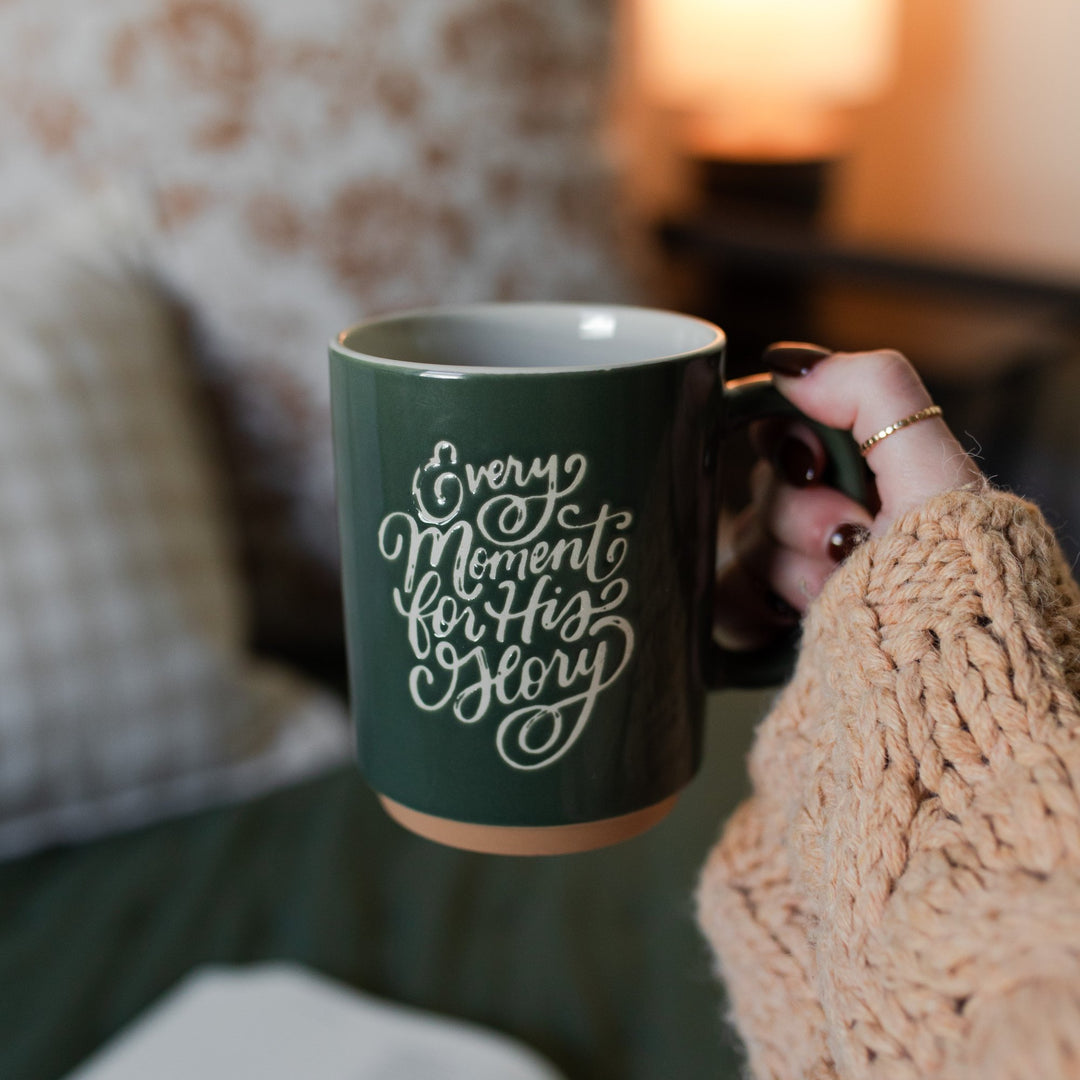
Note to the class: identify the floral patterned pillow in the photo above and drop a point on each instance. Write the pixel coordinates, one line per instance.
(304, 165)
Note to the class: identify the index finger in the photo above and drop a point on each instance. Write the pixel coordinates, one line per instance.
(866, 392)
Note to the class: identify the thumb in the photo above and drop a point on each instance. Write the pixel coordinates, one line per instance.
(864, 393)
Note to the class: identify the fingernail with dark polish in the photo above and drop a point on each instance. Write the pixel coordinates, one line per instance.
(779, 606)
(794, 357)
(797, 463)
(845, 539)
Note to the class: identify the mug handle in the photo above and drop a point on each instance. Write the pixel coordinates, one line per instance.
(745, 400)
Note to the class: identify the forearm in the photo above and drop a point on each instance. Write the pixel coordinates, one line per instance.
(918, 775)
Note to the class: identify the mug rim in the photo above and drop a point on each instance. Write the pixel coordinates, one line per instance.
(338, 342)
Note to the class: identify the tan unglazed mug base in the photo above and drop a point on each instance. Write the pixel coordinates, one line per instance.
(526, 840)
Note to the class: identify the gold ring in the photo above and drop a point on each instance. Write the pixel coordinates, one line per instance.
(898, 425)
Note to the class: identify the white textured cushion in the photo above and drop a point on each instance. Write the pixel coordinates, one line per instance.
(125, 691)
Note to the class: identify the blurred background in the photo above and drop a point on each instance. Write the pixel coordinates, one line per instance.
(250, 176)
(881, 172)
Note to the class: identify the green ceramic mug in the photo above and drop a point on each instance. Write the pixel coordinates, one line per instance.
(528, 498)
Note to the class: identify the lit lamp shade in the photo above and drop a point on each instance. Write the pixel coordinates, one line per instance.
(765, 79)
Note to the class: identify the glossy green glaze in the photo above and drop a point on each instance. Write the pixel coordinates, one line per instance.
(527, 554)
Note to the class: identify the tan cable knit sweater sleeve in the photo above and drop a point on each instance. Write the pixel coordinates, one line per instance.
(900, 898)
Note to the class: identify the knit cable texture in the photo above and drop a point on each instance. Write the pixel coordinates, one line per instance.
(900, 898)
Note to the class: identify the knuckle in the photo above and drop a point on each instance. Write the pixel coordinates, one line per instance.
(896, 374)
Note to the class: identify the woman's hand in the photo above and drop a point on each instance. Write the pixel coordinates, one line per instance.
(796, 531)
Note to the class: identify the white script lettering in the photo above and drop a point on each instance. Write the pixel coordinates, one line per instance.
(487, 558)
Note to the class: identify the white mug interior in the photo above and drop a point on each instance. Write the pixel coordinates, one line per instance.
(529, 337)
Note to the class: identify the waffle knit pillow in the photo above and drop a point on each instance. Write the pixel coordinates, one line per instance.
(126, 694)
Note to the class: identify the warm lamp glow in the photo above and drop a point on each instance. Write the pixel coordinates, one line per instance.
(766, 78)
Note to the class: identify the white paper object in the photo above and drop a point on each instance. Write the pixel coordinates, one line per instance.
(281, 1022)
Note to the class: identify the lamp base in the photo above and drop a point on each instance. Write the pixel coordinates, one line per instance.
(788, 194)
(757, 300)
